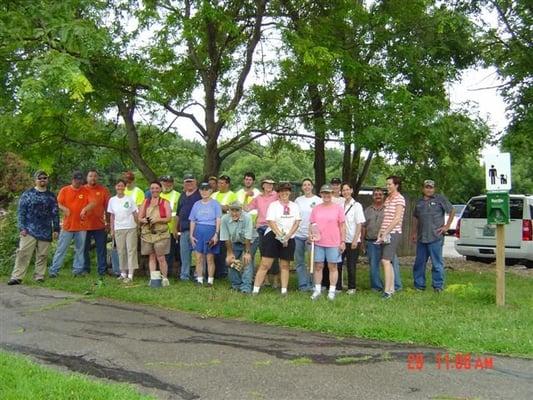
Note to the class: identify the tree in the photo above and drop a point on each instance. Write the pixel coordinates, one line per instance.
(373, 76)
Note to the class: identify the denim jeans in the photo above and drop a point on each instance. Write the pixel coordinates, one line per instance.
(185, 255)
(221, 269)
(373, 252)
(65, 237)
(305, 280)
(115, 263)
(424, 251)
(241, 280)
(172, 256)
(100, 241)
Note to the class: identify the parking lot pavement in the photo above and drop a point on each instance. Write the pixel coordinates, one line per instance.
(175, 355)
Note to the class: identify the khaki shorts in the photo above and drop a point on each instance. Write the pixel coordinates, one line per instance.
(160, 248)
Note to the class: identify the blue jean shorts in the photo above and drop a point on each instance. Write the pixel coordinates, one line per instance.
(330, 254)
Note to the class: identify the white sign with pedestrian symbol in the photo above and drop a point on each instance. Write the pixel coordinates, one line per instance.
(498, 172)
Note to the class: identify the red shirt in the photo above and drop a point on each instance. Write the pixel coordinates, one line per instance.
(75, 200)
(96, 217)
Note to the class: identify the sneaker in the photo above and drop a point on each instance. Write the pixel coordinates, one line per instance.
(165, 282)
(126, 280)
(338, 290)
(386, 296)
(284, 294)
(39, 280)
(209, 285)
(351, 291)
(198, 283)
(14, 282)
(315, 295)
(120, 278)
(331, 296)
(437, 290)
(52, 275)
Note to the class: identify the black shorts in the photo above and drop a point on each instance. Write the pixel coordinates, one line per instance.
(272, 248)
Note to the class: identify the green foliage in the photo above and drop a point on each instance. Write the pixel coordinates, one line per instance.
(14, 176)
(9, 236)
(24, 379)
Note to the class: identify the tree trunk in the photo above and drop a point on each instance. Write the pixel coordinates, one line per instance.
(347, 161)
(134, 148)
(318, 123)
(212, 159)
(363, 174)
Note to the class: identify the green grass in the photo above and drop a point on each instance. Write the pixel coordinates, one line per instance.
(463, 318)
(22, 379)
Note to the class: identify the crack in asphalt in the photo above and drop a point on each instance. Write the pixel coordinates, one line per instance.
(80, 364)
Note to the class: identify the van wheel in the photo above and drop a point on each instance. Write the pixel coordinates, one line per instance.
(529, 264)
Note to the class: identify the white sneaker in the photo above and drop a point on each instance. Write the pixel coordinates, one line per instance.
(165, 282)
(350, 291)
(126, 280)
(315, 295)
(331, 295)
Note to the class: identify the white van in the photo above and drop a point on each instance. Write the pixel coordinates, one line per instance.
(476, 239)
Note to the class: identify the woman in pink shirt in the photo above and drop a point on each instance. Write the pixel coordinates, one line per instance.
(391, 231)
(328, 231)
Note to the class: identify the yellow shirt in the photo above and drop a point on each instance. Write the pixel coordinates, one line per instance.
(136, 194)
(172, 198)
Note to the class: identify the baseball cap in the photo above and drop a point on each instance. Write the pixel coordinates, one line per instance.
(225, 178)
(326, 189)
(236, 205)
(429, 182)
(166, 178)
(188, 177)
(39, 173)
(335, 181)
(284, 186)
(77, 175)
(204, 186)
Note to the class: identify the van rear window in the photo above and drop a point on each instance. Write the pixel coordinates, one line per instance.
(477, 208)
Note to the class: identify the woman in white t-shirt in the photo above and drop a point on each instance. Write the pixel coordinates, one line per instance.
(306, 203)
(355, 218)
(283, 218)
(123, 211)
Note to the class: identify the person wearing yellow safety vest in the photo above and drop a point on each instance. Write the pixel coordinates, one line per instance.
(245, 197)
(172, 197)
(131, 190)
(225, 197)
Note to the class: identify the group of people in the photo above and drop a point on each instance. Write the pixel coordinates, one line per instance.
(224, 229)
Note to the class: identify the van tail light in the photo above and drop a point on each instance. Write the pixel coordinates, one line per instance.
(458, 229)
(527, 233)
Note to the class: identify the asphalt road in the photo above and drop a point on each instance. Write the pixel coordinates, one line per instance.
(175, 355)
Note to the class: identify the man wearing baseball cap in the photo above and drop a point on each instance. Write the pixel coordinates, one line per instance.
(38, 217)
(236, 230)
(74, 202)
(172, 196)
(189, 196)
(429, 229)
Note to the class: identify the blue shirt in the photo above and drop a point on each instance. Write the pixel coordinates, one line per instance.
(206, 213)
(185, 204)
(38, 214)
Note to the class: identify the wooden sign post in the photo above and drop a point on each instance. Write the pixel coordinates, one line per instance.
(498, 182)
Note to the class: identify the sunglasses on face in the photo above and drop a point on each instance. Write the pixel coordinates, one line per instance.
(42, 178)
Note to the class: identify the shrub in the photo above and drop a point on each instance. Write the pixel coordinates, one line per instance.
(9, 235)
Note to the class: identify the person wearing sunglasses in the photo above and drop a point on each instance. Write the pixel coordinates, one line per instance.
(38, 217)
(283, 218)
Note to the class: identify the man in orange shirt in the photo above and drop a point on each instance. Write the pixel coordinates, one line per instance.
(97, 224)
(73, 201)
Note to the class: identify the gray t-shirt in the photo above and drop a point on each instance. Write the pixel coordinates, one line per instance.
(374, 218)
(430, 215)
